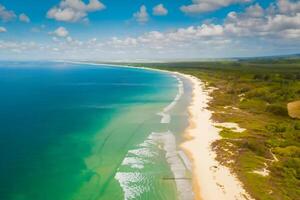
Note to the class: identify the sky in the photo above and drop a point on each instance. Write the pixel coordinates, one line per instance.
(144, 30)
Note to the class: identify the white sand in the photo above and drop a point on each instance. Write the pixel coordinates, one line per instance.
(212, 181)
(262, 172)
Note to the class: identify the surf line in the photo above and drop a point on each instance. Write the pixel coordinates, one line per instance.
(131, 181)
(165, 114)
(177, 160)
(178, 163)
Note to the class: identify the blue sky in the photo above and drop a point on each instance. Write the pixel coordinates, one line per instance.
(147, 30)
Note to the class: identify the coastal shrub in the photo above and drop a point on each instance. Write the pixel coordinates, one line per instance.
(228, 133)
(259, 148)
(294, 164)
(277, 109)
(224, 99)
(264, 77)
(243, 88)
(270, 97)
(286, 174)
(272, 143)
(253, 105)
(265, 94)
(257, 93)
(286, 94)
(276, 128)
(297, 126)
(274, 93)
(290, 151)
(289, 168)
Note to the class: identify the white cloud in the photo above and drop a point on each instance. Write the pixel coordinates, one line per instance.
(61, 32)
(288, 7)
(201, 6)
(290, 33)
(255, 11)
(283, 22)
(240, 31)
(116, 42)
(160, 10)
(17, 47)
(253, 32)
(24, 18)
(74, 10)
(256, 21)
(189, 36)
(2, 29)
(6, 15)
(142, 15)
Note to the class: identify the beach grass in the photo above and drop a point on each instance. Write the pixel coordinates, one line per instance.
(254, 94)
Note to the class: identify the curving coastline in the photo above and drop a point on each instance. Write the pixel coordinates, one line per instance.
(210, 179)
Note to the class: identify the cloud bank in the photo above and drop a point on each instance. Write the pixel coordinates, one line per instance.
(254, 31)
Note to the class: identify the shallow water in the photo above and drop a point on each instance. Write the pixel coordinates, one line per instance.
(70, 131)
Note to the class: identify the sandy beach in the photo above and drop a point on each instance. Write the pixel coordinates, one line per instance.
(211, 180)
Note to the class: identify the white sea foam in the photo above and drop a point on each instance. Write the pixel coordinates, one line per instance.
(133, 162)
(128, 182)
(166, 141)
(165, 118)
(144, 152)
(131, 182)
(165, 115)
(134, 183)
(178, 168)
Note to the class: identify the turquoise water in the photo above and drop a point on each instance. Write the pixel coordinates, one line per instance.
(70, 131)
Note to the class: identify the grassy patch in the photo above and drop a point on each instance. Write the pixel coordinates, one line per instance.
(230, 134)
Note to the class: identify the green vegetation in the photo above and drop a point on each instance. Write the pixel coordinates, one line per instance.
(260, 90)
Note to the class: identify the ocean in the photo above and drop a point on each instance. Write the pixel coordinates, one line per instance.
(71, 131)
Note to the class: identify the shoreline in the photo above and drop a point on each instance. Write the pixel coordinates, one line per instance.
(211, 180)
(177, 159)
